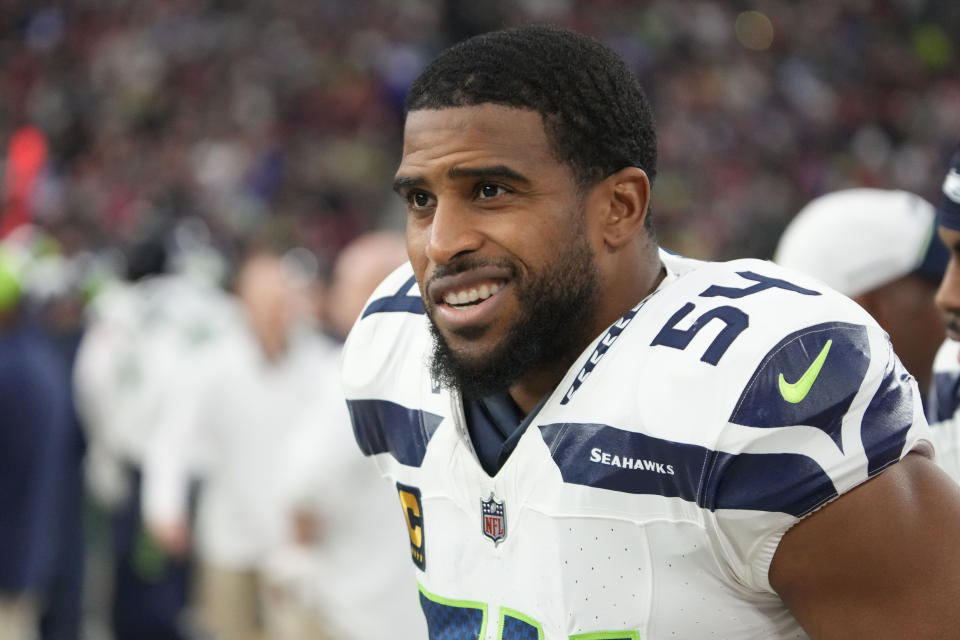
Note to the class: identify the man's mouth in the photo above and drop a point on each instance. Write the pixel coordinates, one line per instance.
(468, 297)
(468, 288)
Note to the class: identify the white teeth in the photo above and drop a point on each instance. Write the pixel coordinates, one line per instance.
(472, 295)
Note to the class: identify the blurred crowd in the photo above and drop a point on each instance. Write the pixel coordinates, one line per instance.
(238, 112)
(189, 190)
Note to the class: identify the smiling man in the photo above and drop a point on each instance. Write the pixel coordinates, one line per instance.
(592, 438)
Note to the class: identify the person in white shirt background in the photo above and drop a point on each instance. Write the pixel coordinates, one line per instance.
(143, 331)
(232, 410)
(345, 569)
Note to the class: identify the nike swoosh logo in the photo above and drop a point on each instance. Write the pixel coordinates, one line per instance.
(794, 392)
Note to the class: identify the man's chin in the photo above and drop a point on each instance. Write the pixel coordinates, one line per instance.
(471, 368)
(466, 338)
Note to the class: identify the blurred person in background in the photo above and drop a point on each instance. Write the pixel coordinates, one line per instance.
(945, 403)
(344, 569)
(142, 333)
(879, 247)
(358, 269)
(61, 284)
(35, 441)
(227, 416)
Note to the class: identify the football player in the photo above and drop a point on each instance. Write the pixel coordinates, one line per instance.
(592, 438)
(945, 400)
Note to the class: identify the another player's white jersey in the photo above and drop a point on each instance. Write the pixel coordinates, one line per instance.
(943, 407)
(648, 494)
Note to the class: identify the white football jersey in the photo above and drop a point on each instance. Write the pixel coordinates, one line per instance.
(649, 492)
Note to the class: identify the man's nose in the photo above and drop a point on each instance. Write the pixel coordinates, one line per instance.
(453, 230)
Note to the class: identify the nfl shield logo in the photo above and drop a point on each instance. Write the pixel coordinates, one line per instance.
(494, 519)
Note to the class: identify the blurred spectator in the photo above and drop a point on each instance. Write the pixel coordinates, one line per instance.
(881, 248)
(359, 268)
(227, 416)
(345, 572)
(142, 333)
(35, 436)
(60, 285)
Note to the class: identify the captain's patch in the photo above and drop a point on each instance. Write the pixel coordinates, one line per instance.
(413, 513)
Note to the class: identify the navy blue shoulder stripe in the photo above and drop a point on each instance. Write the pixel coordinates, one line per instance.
(386, 427)
(605, 457)
(846, 349)
(888, 418)
(398, 302)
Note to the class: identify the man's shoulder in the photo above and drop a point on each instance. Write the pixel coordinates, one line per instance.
(738, 343)
(763, 287)
(758, 388)
(732, 315)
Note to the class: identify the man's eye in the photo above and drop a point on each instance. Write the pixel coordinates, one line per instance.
(491, 190)
(419, 199)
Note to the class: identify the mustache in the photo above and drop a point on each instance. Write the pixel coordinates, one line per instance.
(468, 263)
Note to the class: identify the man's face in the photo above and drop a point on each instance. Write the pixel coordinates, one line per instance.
(498, 240)
(948, 295)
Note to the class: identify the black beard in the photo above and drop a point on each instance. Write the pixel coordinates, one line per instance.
(551, 330)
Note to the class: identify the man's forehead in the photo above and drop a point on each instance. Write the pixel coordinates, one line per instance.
(484, 119)
(455, 134)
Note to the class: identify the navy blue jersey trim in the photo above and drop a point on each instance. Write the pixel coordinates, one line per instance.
(386, 427)
(762, 404)
(605, 457)
(888, 418)
(398, 302)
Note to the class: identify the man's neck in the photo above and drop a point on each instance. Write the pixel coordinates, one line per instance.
(531, 389)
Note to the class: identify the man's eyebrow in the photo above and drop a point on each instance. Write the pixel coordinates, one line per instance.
(500, 171)
(403, 182)
(496, 171)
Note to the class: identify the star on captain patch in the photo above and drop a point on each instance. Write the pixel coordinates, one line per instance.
(493, 519)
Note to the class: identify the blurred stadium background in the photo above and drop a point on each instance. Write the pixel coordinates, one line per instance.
(242, 111)
(123, 119)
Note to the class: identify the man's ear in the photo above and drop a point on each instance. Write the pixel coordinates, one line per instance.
(628, 196)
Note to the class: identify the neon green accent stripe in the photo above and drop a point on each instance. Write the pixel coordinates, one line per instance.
(465, 604)
(506, 611)
(796, 391)
(607, 635)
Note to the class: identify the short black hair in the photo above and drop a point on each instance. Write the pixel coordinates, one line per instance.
(594, 111)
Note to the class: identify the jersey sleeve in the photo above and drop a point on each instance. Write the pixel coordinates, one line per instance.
(827, 408)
